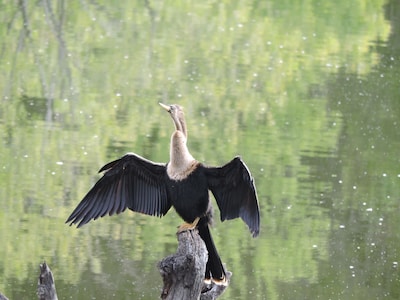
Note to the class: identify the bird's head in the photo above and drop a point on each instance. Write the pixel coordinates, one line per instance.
(177, 115)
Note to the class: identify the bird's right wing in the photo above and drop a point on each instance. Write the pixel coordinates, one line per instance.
(129, 182)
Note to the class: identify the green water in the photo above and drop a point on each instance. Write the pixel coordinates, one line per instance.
(306, 92)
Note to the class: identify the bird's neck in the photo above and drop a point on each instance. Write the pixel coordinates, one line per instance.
(181, 162)
(180, 126)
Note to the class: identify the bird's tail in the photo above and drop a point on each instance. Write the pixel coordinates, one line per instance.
(214, 268)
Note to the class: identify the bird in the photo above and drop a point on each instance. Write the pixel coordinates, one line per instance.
(183, 183)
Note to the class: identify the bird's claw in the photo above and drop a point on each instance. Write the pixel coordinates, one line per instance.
(188, 226)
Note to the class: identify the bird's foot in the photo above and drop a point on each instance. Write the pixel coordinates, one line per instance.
(188, 226)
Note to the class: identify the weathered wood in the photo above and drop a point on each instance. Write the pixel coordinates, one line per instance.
(183, 272)
(46, 289)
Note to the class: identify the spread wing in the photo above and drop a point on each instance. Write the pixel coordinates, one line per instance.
(233, 187)
(129, 182)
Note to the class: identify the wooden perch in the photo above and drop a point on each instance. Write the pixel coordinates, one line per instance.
(46, 289)
(183, 272)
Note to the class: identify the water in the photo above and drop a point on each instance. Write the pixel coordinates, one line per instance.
(306, 94)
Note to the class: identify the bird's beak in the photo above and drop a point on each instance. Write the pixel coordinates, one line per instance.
(166, 107)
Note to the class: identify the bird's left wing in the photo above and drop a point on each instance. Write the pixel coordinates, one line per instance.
(234, 190)
(129, 182)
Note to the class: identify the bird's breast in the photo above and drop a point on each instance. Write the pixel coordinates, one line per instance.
(181, 172)
(189, 195)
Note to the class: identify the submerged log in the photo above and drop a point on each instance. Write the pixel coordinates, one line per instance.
(183, 272)
(46, 289)
(2, 297)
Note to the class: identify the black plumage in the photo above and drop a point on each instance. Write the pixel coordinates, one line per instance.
(152, 188)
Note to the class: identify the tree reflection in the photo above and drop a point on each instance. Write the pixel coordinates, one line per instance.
(363, 242)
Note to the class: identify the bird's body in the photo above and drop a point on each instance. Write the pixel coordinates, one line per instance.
(194, 189)
(152, 188)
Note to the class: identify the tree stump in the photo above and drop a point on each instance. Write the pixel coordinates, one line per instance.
(183, 272)
(2, 297)
(46, 289)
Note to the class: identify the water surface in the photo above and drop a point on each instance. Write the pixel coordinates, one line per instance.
(306, 93)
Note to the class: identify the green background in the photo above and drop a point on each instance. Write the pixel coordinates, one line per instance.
(306, 92)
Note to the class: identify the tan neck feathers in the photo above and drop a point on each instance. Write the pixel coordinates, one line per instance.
(181, 161)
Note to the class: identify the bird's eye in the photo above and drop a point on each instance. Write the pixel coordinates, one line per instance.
(171, 108)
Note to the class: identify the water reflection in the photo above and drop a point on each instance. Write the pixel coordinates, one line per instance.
(307, 97)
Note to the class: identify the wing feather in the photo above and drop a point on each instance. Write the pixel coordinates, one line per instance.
(129, 182)
(235, 192)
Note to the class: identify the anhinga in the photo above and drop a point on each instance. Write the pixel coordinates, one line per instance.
(152, 188)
